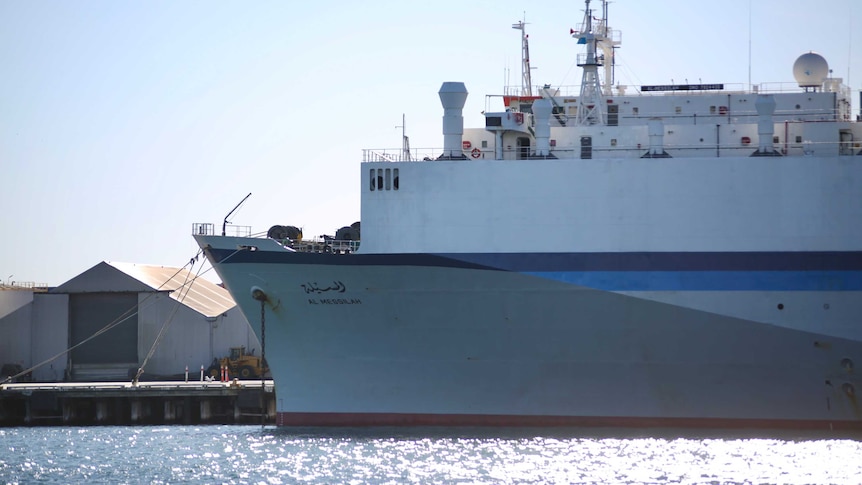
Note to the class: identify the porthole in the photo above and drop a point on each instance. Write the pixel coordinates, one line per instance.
(781, 306)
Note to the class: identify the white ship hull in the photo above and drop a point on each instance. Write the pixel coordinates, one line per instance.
(423, 339)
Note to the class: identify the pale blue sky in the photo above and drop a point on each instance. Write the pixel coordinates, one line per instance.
(122, 123)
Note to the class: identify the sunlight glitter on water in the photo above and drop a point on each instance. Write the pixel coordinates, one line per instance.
(239, 454)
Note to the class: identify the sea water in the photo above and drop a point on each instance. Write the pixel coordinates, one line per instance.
(251, 454)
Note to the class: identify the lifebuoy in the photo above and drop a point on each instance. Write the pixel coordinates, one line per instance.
(476, 153)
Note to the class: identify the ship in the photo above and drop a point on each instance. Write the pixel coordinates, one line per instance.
(615, 256)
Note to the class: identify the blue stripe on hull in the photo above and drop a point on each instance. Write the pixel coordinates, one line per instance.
(667, 261)
(710, 280)
(549, 262)
(660, 271)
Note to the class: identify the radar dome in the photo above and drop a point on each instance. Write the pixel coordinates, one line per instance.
(810, 70)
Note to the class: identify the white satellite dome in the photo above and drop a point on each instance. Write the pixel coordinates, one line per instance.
(810, 70)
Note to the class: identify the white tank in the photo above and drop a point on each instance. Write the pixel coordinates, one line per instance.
(810, 70)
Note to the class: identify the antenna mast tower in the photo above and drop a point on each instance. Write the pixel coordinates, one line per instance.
(526, 79)
(597, 36)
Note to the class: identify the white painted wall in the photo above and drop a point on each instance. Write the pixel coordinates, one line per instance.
(676, 204)
(49, 332)
(190, 339)
(35, 327)
(16, 307)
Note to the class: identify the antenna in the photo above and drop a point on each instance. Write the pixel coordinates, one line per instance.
(405, 141)
(224, 223)
(849, 43)
(526, 79)
(749, 45)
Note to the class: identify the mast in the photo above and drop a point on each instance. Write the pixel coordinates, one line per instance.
(526, 79)
(405, 140)
(607, 40)
(596, 37)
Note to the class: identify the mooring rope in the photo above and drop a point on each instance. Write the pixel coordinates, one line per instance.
(177, 302)
(263, 364)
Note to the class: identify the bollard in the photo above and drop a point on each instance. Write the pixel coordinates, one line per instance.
(202, 373)
(187, 373)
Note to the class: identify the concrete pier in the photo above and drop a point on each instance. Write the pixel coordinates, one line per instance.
(124, 403)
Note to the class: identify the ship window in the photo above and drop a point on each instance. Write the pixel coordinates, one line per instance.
(379, 179)
(586, 147)
(613, 114)
(371, 178)
(775, 139)
(678, 109)
(395, 179)
(523, 148)
(388, 179)
(613, 142)
(712, 110)
(493, 121)
(484, 143)
(798, 139)
(635, 110)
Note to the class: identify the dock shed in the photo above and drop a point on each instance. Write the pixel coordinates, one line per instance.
(112, 316)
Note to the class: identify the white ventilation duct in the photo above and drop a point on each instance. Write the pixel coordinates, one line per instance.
(765, 106)
(453, 95)
(542, 113)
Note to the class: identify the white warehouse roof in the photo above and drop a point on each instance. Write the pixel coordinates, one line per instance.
(201, 295)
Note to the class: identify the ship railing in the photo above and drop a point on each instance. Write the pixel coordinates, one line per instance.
(744, 115)
(574, 90)
(323, 244)
(320, 245)
(24, 285)
(734, 149)
(805, 147)
(400, 155)
(209, 229)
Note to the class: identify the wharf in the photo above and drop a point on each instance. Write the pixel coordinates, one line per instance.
(125, 403)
